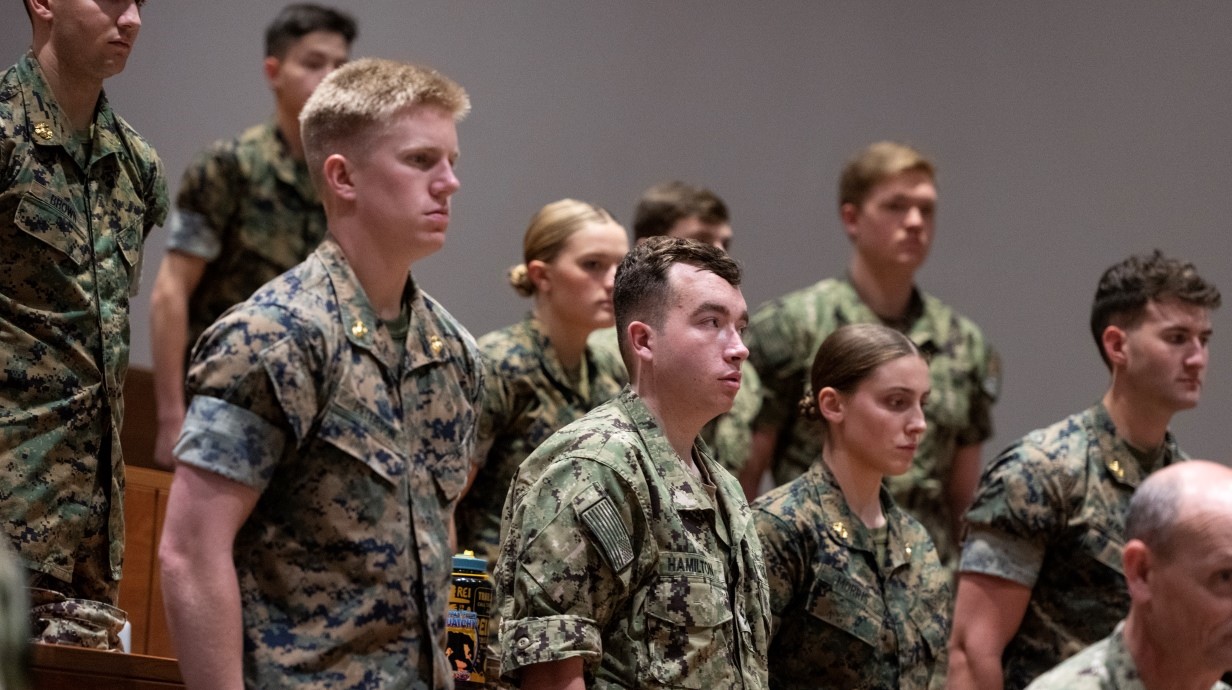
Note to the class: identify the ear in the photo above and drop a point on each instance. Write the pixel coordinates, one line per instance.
(831, 405)
(641, 341)
(271, 67)
(337, 177)
(1137, 562)
(1113, 341)
(537, 271)
(41, 9)
(849, 213)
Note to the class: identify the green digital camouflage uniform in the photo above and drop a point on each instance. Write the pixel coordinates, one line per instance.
(73, 219)
(527, 398)
(1105, 665)
(1050, 514)
(359, 446)
(783, 338)
(730, 435)
(842, 620)
(613, 552)
(248, 209)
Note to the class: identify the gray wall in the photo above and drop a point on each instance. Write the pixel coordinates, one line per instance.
(1067, 136)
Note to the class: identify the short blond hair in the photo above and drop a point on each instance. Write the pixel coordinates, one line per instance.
(356, 101)
(875, 164)
(551, 227)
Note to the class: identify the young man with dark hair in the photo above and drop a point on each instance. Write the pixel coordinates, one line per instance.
(332, 422)
(246, 210)
(887, 202)
(1178, 567)
(79, 192)
(624, 544)
(1041, 574)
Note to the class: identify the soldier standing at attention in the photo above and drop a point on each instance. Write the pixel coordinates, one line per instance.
(628, 556)
(677, 209)
(859, 597)
(1041, 574)
(79, 192)
(246, 211)
(1178, 565)
(332, 422)
(887, 204)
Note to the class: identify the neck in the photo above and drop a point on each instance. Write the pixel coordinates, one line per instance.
(77, 96)
(288, 125)
(382, 274)
(861, 489)
(1162, 667)
(678, 425)
(1142, 426)
(887, 293)
(569, 343)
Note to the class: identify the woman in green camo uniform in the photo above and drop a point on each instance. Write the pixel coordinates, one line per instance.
(541, 374)
(859, 597)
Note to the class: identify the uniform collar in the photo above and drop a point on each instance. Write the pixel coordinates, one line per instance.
(358, 319)
(846, 528)
(1115, 456)
(48, 124)
(924, 330)
(550, 362)
(288, 170)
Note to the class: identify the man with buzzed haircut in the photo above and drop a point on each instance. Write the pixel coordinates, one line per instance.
(679, 209)
(1178, 566)
(629, 557)
(79, 192)
(333, 417)
(1041, 574)
(246, 210)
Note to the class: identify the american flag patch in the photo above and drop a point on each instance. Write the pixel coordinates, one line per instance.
(609, 531)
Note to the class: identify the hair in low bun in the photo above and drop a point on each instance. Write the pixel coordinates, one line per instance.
(519, 278)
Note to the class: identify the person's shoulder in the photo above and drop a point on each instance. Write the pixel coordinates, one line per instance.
(511, 350)
(458, 337)
(791, 505)
(1058, 451)
(808, 297)
(1086, 670)
(950, 323)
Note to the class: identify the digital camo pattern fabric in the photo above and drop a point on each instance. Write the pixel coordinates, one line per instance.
(730, 435)
(360, 448)
(615, 553)
(74, 214)
(248, 208)
(528, 397)
(841, 619)
(783, 337)
(1105, 665)
(1050, 514)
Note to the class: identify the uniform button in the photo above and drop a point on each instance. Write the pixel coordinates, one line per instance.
(523, 642)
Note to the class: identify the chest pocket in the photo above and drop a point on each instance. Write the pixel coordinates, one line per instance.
(687, 625)
(1104, 547)
(847, 606)
(362, 434)
(54, 221)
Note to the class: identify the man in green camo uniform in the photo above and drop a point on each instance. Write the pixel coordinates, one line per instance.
(332, 423)
(887, 200)
(853, 624)
(628, 557)
(527, 398)
(1041, 574)
(677, 209)
(1178, 567)
(246, 211)
(79, 192)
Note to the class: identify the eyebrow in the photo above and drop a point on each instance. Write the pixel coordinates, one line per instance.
(719, 308)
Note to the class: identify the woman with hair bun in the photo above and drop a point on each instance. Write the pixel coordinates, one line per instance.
(541, 375)
(858, 594)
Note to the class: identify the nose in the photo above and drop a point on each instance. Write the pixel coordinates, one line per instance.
(737, 351)
(130, 18)
(1198, 355)
(609, 279)
(914, 218)
(916, 424)
(446, 183)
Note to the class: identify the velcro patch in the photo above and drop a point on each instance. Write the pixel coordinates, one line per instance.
(610, 533)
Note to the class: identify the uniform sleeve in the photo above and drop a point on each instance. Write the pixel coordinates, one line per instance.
(786, 562)
(568, 564)
(155, 195)
(254, 381)
(774, 349)
(1019, 504)
(494, 408)
(985, 389)
(207, 202)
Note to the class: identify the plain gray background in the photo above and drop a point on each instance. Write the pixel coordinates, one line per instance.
(1067, 135)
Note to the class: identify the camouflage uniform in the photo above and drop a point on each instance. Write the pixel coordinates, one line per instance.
(528, 397)
(248, 209)
(1105, 665)
(1050, 514)
(729, 436)
(783, 338)
(73, 218)
(613, 552)
(842, 620)
(359, 446)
